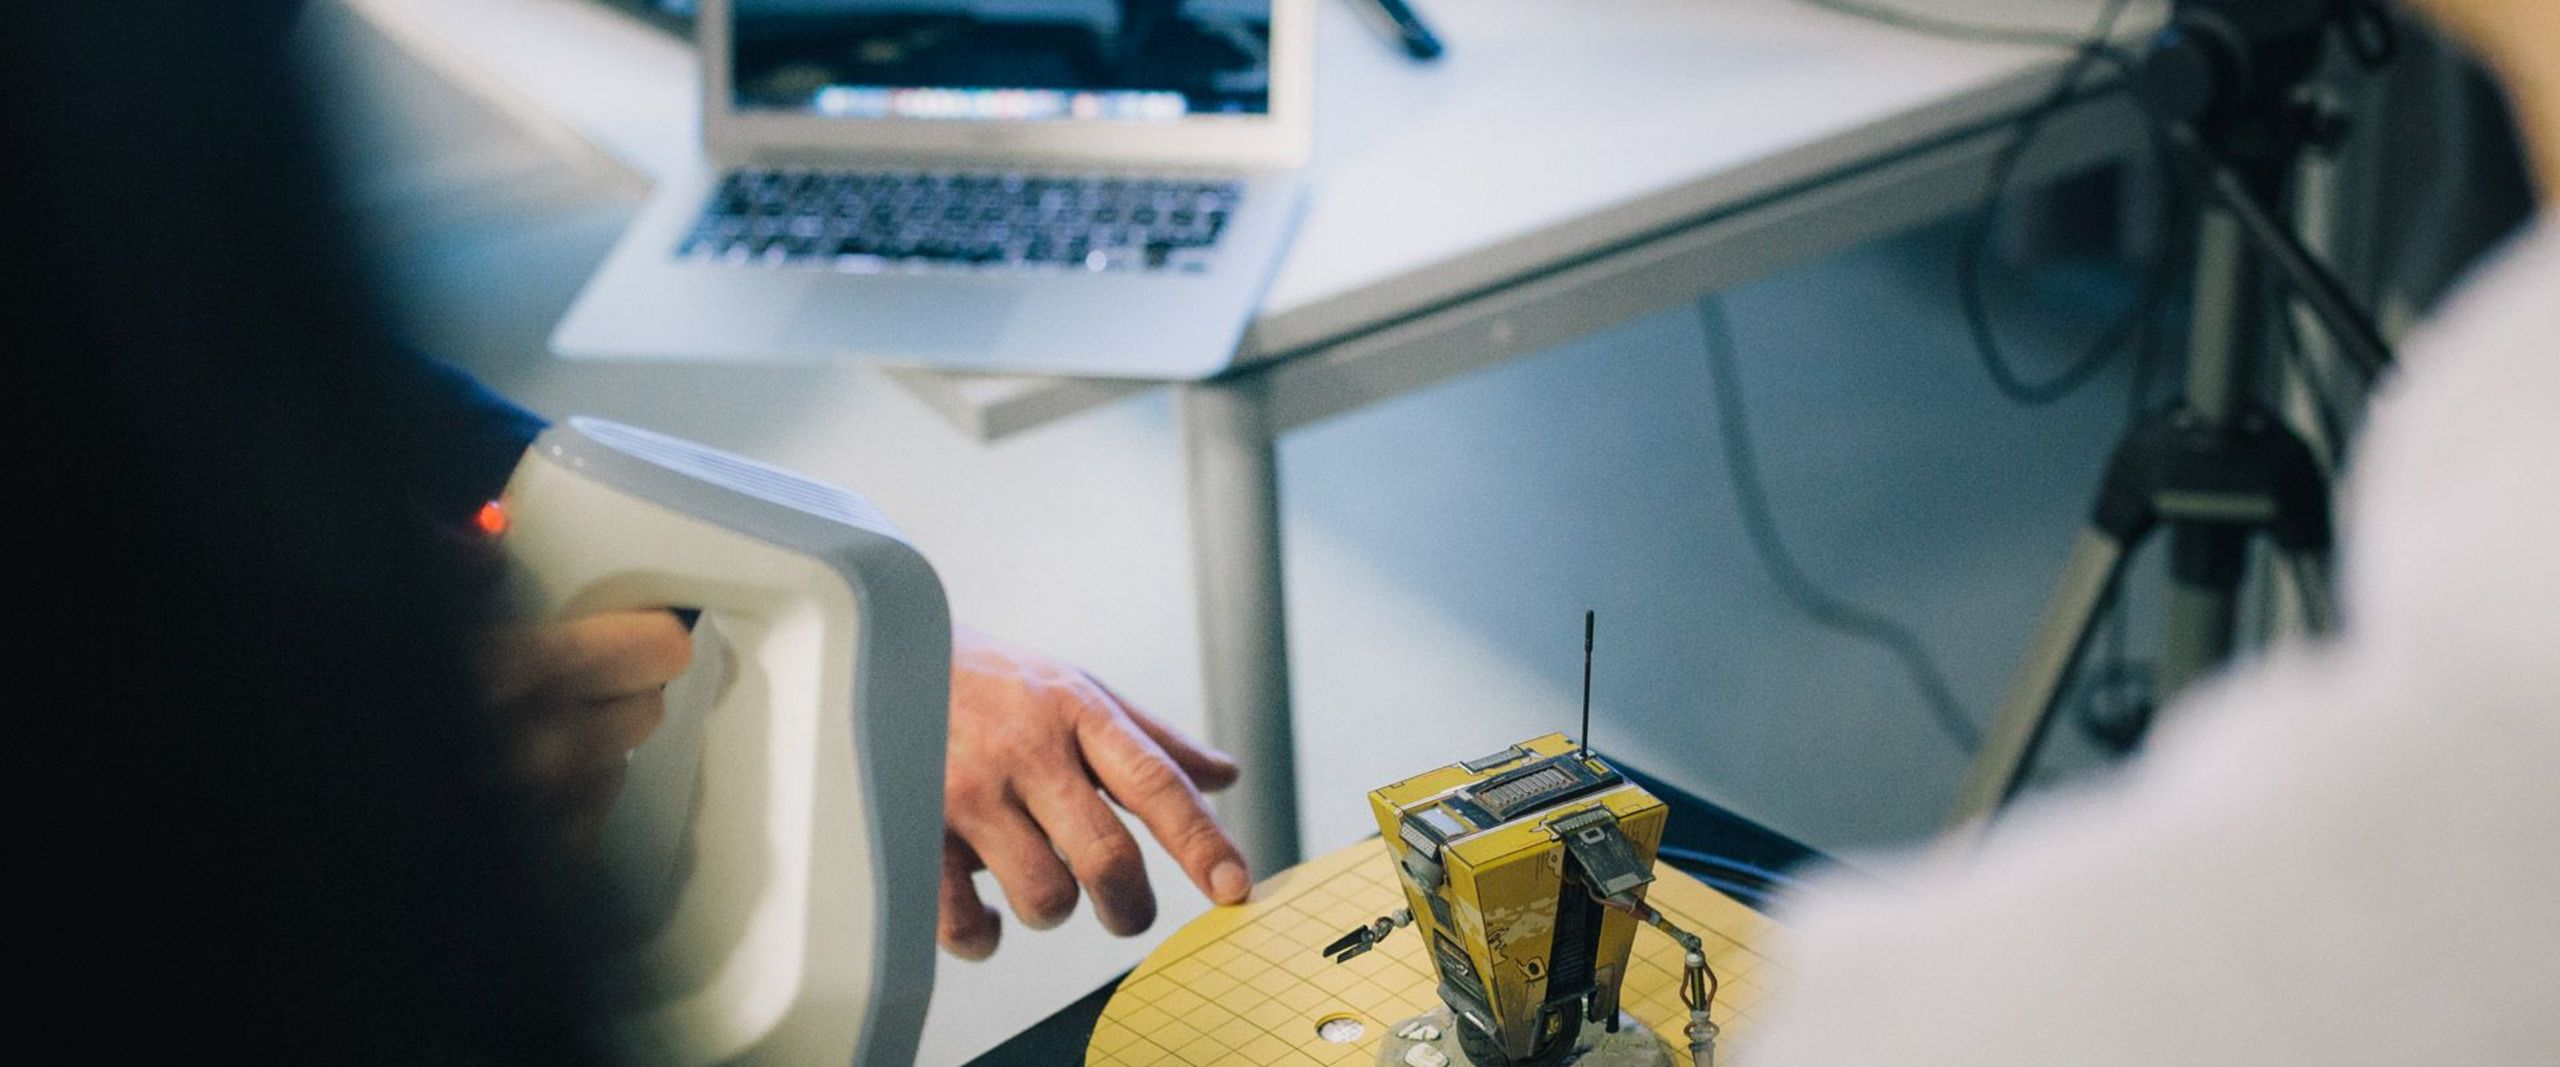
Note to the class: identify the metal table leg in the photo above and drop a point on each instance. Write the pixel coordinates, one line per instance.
(1230, 448)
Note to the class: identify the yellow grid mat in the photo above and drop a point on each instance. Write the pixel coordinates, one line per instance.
(1248, 985)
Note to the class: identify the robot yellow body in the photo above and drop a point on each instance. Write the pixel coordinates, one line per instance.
(1525, 873)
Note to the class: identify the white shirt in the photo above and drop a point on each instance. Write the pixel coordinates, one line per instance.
(2346, 854)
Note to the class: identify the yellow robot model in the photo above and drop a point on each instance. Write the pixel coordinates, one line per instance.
(1525, 871)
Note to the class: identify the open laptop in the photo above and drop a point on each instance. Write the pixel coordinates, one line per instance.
(1088, 187)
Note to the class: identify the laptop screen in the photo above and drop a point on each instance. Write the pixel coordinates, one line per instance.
(1003, 60)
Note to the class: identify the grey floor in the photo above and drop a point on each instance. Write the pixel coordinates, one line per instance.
(1441, 548)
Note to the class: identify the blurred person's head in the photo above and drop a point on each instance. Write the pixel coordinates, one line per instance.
(265, 817)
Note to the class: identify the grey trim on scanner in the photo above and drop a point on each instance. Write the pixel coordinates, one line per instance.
(904, 639)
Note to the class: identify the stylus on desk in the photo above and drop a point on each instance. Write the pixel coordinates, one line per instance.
(1397, 20)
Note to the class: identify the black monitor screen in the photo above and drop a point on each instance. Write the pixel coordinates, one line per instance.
(1021, 60)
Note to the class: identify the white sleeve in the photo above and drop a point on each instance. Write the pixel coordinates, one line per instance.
(2311, 873)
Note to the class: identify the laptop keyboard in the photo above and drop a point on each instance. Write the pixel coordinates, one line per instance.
(884, 219)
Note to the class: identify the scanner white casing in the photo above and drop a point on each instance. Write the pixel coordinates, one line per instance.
(801, 815)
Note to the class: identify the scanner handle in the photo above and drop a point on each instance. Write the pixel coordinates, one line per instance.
(762, 822)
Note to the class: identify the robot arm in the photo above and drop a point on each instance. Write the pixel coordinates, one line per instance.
(1363, 938)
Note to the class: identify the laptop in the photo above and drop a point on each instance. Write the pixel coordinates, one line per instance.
(1085, 187)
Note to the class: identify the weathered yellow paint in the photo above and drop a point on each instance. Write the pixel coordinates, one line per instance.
(1503, 887)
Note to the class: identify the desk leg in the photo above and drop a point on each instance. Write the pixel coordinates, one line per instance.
(1231, 451)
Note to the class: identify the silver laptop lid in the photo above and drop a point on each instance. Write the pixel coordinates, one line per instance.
(1212, 83)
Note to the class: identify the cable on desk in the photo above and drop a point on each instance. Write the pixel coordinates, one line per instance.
(1742, 466)
(2090, 49)
(1972, 250)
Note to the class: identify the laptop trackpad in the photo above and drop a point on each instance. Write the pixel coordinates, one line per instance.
(887, 317)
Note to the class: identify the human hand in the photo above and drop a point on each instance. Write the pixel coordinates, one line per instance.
(1035, 746)
(574, 697)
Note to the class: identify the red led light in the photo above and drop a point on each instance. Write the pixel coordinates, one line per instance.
(491, 520)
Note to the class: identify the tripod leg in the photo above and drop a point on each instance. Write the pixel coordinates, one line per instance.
(2310, 575)
(2097, 562)
(2206, 565)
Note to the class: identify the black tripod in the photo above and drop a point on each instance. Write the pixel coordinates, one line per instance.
(2219, 468)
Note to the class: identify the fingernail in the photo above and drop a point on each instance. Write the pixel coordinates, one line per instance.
(1227, 882)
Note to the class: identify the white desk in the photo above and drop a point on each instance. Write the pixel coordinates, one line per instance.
(1569, 165)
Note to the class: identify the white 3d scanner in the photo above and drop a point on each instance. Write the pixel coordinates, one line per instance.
(781, 843)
